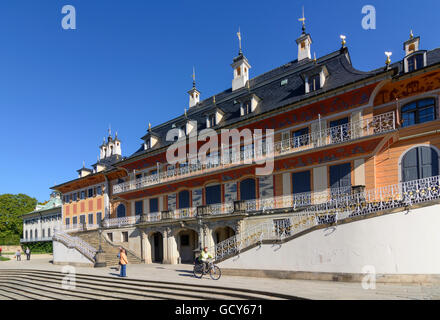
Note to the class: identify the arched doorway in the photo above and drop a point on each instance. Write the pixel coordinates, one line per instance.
(420, 162)
(247, 189)
(120, 211)
(223, 233)
(184, 199)
(156, 241)
(187, 242)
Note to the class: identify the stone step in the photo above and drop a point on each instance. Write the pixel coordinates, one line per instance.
(144, 289)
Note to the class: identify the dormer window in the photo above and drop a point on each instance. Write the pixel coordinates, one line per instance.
(415, 62)
(246, 108)
(147, 144)
(210, 121)
(314, 83)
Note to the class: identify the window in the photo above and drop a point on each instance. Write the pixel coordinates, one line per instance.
(154, 205)
(90, 218)
(110, 236)
(90, 191)
(246, 108)
(120, 211)
(211, 121)
(99, 190)
(83, 195)
(26, 235)
(43, 233)
(301, 182)
(314, 83)
(184, 199)
(418, 112)
(415, 62)
(67, 221)
(213, 194)
(74, 220)
(339, 130)
(82, 219)
(340, 178)
(31, 234)
(138, 208)
(48, 232)
(125, 236)
(300, 137)
(98, 217)
(147, 144)
(247, 189)
(419, 163)
(74, 196)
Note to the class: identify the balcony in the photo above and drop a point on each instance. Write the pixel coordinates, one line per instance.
(335, 135)
(36, 239)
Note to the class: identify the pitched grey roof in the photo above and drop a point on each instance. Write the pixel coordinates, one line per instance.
(273, 95)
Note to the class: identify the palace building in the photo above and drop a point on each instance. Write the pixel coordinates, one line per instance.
(339, 133)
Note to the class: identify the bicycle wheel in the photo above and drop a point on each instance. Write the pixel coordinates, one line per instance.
(198, 271)
(215, 273)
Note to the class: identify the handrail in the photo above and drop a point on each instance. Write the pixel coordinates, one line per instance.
(75, 242)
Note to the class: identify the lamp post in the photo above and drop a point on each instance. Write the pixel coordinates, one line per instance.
(99, 258)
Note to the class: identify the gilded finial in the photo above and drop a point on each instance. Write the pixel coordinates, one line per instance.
(303, 20)
(213, 99)
(343, 42)
(149, 126)
(388, 61)
(411, 35)
(314, 57)
(239, 41)
(185, 112)
(194, 77)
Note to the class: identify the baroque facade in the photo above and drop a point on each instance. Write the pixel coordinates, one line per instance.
(337, 131)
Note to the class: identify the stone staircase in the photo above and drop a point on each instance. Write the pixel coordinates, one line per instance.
(110, 250)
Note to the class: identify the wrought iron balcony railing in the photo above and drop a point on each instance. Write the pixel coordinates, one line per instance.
(357, 129)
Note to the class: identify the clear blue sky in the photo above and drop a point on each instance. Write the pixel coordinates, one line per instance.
(130, 62)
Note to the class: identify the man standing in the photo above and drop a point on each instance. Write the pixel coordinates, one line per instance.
(28, 253)
(123, 261)
(18, 255)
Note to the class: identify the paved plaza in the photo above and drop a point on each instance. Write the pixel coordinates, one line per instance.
(182, 274)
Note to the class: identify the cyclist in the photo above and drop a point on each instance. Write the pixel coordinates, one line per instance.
(204, 257)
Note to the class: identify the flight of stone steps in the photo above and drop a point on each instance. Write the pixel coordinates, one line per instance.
(47, 285)
(110, 251)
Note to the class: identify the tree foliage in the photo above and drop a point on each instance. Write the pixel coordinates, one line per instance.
(12, 207)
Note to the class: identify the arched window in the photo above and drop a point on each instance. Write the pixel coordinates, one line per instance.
(418, 112)
(184, 199)
(247, 189)
(420, 162)
(213, 194)
(120, 211)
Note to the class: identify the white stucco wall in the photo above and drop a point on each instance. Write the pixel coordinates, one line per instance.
(63, 254)
(398, 243)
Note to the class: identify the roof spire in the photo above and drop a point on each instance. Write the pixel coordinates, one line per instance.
(194, 77)
(109, 130)
(84, 164)
(411, 35)
(239, 41)
(303, 20)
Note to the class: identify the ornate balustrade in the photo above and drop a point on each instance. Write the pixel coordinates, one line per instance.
(123, 221)
(75, 242)
(365, 127)
(337, 208)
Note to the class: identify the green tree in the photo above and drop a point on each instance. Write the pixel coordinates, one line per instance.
(12, 207)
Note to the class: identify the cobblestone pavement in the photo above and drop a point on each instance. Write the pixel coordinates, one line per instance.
(299, 288)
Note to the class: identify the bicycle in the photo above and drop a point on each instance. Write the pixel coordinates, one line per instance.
(205, 268)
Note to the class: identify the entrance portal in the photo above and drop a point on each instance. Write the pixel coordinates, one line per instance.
(157, 247)
(187, 241)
